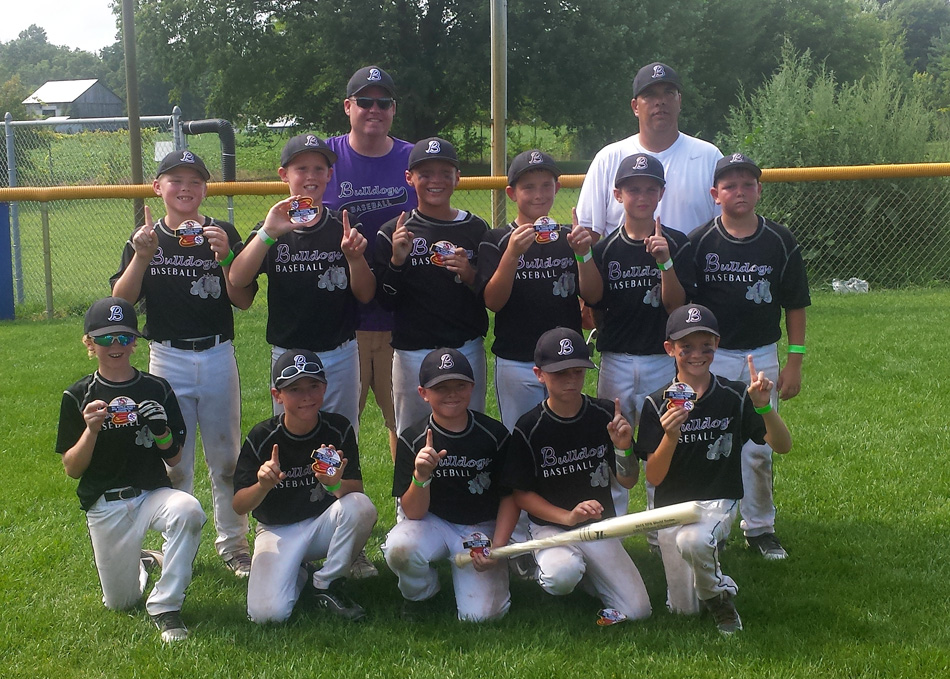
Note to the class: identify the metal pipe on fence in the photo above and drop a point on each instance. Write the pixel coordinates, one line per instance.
(14, 210)
(499, 105)
(225, 134)
(47, 259)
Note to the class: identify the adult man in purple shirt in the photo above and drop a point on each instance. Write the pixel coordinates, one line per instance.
(369, 181)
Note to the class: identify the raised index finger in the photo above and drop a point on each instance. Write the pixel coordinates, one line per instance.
(428, 438)
(346, 224)
(752, 372)
(401, 221)
(273, 455)
(148, 218)
(659, 229)
(574, 217)
(617, 412)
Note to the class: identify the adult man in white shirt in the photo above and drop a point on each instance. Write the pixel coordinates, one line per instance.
(688, 163)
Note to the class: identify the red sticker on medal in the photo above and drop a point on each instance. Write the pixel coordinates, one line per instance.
(326, 461)
(477, 543)
(302, 210)
(440, 251)
(680, 394)
(609, 616)
(189, 233)
(545, 230)
(123, 410)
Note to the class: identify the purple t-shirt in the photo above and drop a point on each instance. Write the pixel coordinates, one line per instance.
(373, 191)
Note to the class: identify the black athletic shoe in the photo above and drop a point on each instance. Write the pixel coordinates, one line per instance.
(171, 626)
(338, 602)
(768, 546)
(724, 613)
(415, 611)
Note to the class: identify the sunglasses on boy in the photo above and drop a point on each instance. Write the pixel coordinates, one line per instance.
(384, 103)
(107, 340)
(306, 369)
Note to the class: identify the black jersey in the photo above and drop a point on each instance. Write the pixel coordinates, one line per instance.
(299, 496)
(543, 294)
(565, 461)
(125, 453)
(465, 487)
(310, 303)
(184, 287)
(431, 309)
(707, 462)
(746, 282)
(634, 316)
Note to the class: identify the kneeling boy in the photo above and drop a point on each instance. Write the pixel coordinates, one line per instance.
(299, 473)
(691, 434)
(562, 455)
(446, 478)
(117, 429)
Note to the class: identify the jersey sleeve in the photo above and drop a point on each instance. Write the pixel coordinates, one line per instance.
(794, 288)
(598, 252)
(682, 255)
(404, 466)
(71, 423)
(753, 426)
(248, 464)
(650, 432)
(388, 277)
(489, 257)
(518, 472)
(352, 451)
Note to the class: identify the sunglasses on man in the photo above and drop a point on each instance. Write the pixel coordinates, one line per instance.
(384, 103)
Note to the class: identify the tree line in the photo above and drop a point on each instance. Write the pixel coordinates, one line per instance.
(570, 63)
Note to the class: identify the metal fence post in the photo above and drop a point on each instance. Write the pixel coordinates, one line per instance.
(6, 265)
(14, 209)
(177, 135)
(47, 259)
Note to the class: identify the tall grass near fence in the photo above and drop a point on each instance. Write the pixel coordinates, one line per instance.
(863, 510)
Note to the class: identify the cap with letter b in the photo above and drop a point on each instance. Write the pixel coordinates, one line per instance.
(654, 73)
(736, 161)
(527, 161)
(441, 365)
(691, 318)
(111, 315)
(370, 76)
(640, 165)
(303, 143)
(433, 148)
(296, 364)
(183, 158)
(562, 348)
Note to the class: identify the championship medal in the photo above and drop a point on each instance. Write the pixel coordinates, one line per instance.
(302, 210)
(680, 394)
(609, 616)
(545, 230)
(477, 543)
(189, 233)
(326, 461)
(123, 410)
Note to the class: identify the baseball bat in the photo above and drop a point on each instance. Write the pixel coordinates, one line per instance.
(617, 527)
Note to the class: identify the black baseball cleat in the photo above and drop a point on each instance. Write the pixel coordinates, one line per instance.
(171, 626)
(768, 546)
(338, 602)
(724, 614)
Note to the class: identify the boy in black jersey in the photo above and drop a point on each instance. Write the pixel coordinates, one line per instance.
(316, 273)
(636, 288)
(299, 473)
(118, 428)
(178, 267)
(691, 435)
(747, 270)
(530, 279)
(425, 264)
(447, 480)
(562, 456)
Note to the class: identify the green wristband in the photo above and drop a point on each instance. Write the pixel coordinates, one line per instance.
(268, 241)
(584, 258)
(767, 408)
(665, 266)
(333, 489)
(621, 452)
(796, 348)
(227, 260)
(164, 439)
(421, 484)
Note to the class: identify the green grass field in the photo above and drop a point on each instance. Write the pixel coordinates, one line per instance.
(863, 510)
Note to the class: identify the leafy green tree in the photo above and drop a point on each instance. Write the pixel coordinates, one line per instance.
(31, 57)
(920, 22)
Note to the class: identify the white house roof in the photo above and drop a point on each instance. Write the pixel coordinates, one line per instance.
(59, 91)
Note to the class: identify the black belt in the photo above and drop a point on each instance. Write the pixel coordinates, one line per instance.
(199, 344)
(123, 494)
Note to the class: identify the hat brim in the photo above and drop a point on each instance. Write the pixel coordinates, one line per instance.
(113, 329)
(203, 171)
(451, 161)
(569, 363)
(680, 334)
(326, 153)
(438, 379)
(751, 167)
(282, 382)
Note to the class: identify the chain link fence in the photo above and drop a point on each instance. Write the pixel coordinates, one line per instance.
(889, 232)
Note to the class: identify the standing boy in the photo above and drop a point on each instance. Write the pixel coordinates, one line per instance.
(691, 435)
(447, 480)
(299, 473)
(531, 279)
(316, 273)
(560, 461)
(118, 428)
(369, 182)
(178, 266)
(748, 269)
(425, 266)
(638, 285)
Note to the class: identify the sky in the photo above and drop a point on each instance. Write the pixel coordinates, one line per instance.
(84, 24)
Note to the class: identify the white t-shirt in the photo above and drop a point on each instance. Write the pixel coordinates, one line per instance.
(688, 164)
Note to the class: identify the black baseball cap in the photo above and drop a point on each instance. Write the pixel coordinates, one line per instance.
(531, 160)
(691, 318)
(560, 349)
(295, 364)
(182, 158)
(305, 142)
(444, 364)
(111, 315)
(654, 73)
(735, 162)
(370, 76)
(433, 148)
(640, 165)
